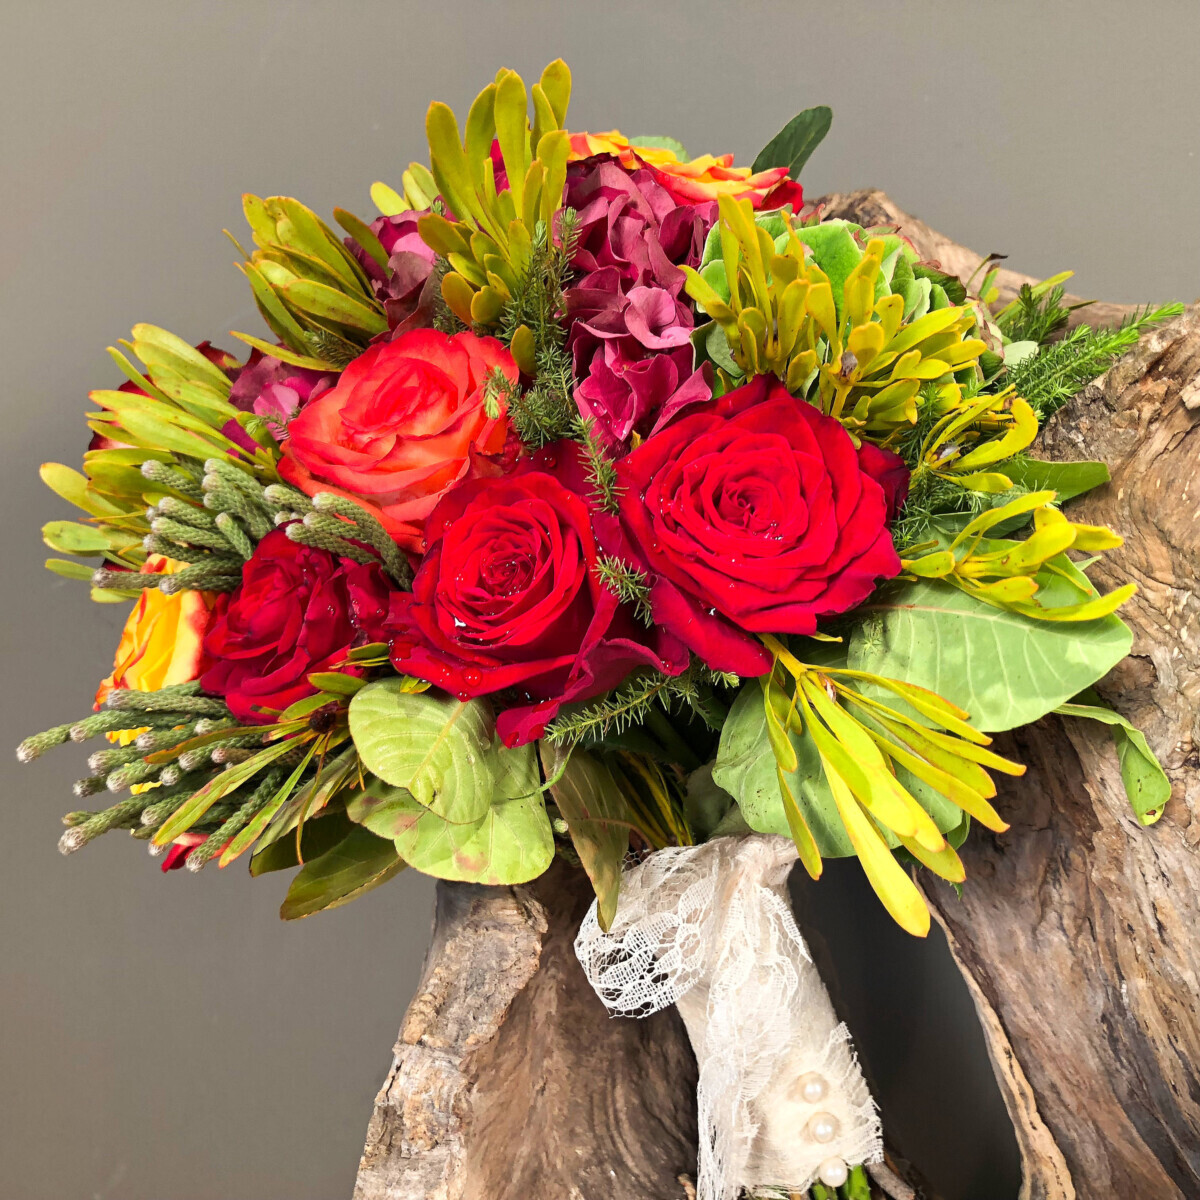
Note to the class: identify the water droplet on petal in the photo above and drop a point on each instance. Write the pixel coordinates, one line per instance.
(472, 677)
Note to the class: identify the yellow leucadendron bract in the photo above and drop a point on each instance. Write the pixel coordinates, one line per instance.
(867, 364)
(860, 742)
(1005, 574)
(309, 288)
(489, 244)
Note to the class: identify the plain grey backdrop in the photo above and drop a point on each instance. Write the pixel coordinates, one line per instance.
(167, 1038)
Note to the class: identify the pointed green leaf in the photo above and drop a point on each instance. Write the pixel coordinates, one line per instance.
(1004, 669)
(1146, 783)
(358, 863)
(598, 819)
(793, 144)
(328, 304)
(1066, 479)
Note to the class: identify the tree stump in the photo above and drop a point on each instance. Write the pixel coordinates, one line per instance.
(1076, 931)
(509, 1078)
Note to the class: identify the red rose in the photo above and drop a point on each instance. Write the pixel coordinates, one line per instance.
(507, 597)
(297, 610)
(753, 515)
(888, 470)
(405, 422)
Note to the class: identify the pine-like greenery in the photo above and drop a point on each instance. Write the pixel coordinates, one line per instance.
(1033, 318)
(1057, 372)
(628, 583)
(601, 470)
(546, 412)
(632, 703)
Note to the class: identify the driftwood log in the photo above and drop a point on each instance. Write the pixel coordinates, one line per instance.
(1078, 932)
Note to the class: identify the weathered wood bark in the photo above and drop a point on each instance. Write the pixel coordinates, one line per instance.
(1078, 931)
(509, 1079)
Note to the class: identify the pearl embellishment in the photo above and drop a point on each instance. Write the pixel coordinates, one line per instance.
(833, 1172)
(811, 1088)
(823, 1127)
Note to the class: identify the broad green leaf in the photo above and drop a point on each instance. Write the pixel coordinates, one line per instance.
(1016, 352)
(1146, 783)
(706, 804)
(836, 252)
(1002, 668)
(434, 746)
(598, 820)
(358, 863)
(1067, 479)
(512, 843)
(793, 144)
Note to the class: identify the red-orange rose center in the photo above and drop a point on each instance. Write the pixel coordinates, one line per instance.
(406, 421)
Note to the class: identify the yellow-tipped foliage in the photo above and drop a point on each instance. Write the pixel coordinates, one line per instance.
(860, 359)
(309, 288)
(1010, 574)
(489, 243)
(861, 742)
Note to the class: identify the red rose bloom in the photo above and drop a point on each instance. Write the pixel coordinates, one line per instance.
(507, 597)
(405, 422)
(755, 514)
(298, 610)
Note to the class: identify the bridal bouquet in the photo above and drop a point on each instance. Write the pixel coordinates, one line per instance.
(596, 500)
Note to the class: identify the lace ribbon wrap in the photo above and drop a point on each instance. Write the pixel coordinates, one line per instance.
(782, 1101)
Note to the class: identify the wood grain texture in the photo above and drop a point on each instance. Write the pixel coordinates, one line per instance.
(510, 1079)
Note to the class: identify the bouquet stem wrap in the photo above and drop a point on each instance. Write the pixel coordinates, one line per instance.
(782, 1101)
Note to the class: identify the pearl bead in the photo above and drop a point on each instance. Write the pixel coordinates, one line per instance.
(811, 1088)
(833, 1172)
(823, 1127)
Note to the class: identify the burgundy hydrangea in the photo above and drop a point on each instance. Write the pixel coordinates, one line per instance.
(401, 288)
(631, 329)
(275, 390)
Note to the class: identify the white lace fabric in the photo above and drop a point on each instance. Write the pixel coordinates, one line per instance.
(710, 929)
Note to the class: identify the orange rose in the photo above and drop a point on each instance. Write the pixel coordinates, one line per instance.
(163, 639)
(702, 179)
(405, 422)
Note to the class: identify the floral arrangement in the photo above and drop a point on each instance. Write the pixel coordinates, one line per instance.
(591, 500)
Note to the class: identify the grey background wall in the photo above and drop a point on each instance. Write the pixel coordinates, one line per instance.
(168, 1038)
